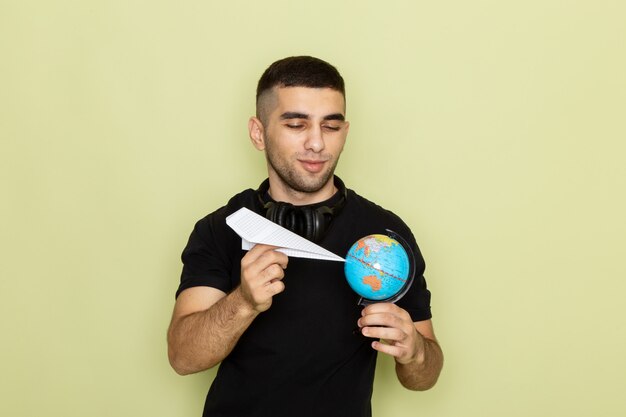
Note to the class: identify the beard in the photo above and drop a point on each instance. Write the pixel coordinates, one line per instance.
(301, 182)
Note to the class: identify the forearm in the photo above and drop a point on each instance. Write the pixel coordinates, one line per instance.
(201, 340)
(422, 373)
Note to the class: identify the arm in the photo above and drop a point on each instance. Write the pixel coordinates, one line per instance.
(418, 357)
(207, 323)
(423, 372)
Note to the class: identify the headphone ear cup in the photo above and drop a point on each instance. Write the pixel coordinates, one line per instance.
(290, 219)
(309, 224)
(270, 212)
(323, 224)
(317, 223)
(283, 215)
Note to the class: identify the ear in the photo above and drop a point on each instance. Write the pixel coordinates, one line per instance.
(257, 133)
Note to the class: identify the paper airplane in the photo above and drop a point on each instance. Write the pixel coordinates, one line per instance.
(254, 229)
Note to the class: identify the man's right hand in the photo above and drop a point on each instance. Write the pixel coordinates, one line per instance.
(262, 271)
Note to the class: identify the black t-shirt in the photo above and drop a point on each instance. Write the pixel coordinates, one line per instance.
(301, 357)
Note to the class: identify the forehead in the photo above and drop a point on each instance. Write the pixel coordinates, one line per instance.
(314, 101)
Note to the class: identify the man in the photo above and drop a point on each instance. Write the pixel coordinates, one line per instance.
(283, 329)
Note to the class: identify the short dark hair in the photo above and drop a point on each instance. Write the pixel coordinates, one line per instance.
(300, 71)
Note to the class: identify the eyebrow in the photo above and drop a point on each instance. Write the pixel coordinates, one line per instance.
(295, 115)
(336, 116)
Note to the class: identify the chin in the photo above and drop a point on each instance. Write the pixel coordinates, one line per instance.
(316, 184)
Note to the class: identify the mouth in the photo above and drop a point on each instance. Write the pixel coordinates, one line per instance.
(312, 166)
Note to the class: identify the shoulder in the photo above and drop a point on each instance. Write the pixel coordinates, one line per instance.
(212, 230)
(217, 219)
(370, 218)
(363, 208)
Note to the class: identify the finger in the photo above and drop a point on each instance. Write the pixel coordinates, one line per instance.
(272, 256)
(392, 350)
(274, 288)
(382, 308)
(387, 333)
(272, 273)
(253, 254)
(259, 261)
(383, 319)
(257, 284)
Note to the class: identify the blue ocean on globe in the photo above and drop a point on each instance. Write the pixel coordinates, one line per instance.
(377, 267)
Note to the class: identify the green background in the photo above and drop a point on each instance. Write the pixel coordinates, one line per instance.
(496, 129)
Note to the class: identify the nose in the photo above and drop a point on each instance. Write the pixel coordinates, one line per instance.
(315, 140)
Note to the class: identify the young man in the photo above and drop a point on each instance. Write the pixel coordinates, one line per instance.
(283, 329)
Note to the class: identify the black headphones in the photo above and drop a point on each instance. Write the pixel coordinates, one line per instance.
(311, 221)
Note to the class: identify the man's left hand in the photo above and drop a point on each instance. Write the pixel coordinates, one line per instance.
(396, 331)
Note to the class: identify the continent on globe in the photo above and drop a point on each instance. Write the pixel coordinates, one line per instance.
(374, 243)
(373, 282)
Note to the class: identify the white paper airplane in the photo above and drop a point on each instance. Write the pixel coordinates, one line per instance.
(254, 229)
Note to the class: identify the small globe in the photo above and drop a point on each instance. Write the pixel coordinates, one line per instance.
(377, 267)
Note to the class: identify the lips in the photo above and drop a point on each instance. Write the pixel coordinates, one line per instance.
(312, 166)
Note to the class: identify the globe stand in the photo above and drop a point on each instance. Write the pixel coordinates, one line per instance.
(409, 281)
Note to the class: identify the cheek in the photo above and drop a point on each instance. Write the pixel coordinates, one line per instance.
(278, 151)
(289, 146)
(338, 147)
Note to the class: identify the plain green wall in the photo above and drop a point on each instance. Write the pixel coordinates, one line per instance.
(496, 129)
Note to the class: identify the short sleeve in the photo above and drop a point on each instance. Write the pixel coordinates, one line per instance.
(205, 259)
(417, 299)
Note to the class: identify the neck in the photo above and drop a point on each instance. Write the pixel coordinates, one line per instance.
(280, 191)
